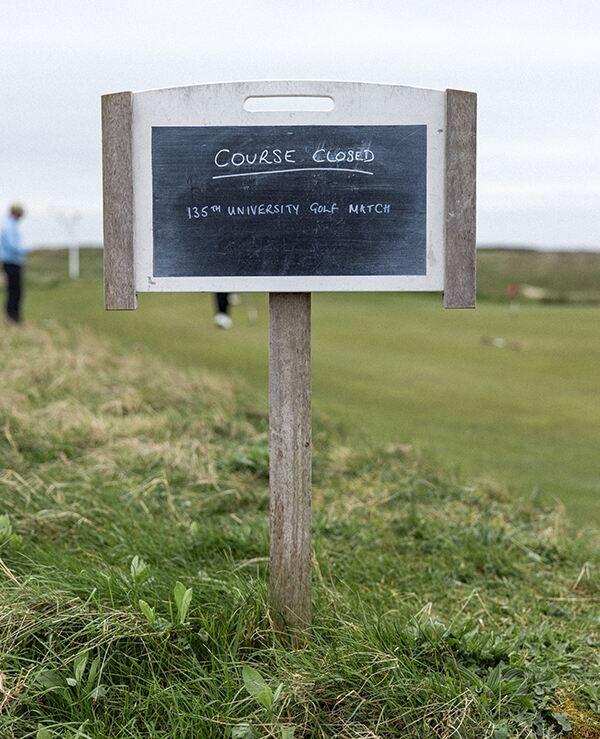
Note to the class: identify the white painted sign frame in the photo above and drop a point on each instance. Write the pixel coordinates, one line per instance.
(222, 104)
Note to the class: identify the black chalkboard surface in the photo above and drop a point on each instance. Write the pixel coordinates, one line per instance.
(289, 200)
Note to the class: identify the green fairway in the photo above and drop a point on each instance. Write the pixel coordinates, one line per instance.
(400, 369)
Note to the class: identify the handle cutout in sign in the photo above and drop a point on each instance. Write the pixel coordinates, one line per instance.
(289, 103)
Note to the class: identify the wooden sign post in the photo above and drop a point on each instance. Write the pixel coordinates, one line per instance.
(290, 460)
(206, 192)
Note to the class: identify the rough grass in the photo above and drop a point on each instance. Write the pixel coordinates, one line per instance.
(567, 276)
(398, 368)
(133, 545)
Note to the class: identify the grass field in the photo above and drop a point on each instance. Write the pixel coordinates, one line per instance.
(133, 547)
(399, 369)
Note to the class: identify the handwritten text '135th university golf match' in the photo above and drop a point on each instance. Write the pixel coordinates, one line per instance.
(224, 159)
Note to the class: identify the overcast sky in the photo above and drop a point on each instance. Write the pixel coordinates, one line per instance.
(534, 65)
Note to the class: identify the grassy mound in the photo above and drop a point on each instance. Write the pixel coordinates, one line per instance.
(134, 542)
(567, 276)
(395, 366)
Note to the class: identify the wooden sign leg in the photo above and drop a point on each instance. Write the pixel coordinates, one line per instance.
(290, 561)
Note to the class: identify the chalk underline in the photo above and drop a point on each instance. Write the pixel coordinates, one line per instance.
(296, 169)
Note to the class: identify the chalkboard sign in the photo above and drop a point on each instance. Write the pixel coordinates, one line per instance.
(376, 192)
(289, 200)
(252, 186)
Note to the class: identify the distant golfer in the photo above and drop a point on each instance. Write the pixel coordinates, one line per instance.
(222, 317)
(12, 256)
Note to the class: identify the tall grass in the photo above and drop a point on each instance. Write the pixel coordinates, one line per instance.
(134, 543)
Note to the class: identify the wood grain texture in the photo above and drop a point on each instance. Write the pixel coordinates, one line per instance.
(460, 257)
(117, 185)
(290, 563)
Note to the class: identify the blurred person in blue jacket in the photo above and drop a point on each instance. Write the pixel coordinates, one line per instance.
(12, 256)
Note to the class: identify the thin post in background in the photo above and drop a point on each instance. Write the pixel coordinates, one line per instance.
(73, 262)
